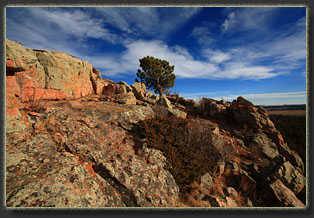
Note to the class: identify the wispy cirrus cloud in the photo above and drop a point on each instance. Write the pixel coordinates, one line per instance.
(203, 35)
(248, 18)
(75, 22)
(149, 21)
(229, 22)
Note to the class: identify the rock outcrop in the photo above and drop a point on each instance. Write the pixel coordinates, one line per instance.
(82, 156)
(72, 140)
(33, 75)
(43, 74)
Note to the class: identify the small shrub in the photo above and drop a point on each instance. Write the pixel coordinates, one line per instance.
(186, 144)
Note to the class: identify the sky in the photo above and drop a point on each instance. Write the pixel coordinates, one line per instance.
(217, 52)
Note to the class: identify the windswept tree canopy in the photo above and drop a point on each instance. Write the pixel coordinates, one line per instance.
(157, 74)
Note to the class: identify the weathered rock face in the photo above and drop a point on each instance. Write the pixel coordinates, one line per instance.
(33, 75)
(82, 156)
(60, 75)
(66, 73)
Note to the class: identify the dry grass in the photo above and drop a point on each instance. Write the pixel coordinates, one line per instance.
(287, 112)
(218, 187)
(192, 199)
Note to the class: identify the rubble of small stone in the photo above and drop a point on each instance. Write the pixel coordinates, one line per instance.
(72, 140)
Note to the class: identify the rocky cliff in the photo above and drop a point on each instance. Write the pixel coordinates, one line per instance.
(73, 139)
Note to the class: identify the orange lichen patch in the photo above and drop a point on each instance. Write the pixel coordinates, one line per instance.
(24, 79)
(12, 86)
(31, 93)
(25, 119)
(89, 167)
(12, 112)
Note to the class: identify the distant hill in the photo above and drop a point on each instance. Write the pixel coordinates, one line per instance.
(285, 107)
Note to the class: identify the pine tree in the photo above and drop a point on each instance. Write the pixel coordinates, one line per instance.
(157, 74)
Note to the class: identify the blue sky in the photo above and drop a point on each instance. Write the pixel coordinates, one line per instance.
(218, 52)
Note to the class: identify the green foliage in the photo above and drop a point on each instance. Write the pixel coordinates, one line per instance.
(293, 130)
(187, 145)
(157, 74)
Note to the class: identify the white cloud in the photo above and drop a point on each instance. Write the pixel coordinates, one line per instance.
(185, 65)
(229, 22)
(76, 23)
(249, 18)
(52, 29)
(202, 94)
(235, 70)
(151, 21)
(216, 56)
(283, 51)
(203, 35)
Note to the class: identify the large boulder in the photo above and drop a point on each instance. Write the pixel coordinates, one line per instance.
(163, 101)
(245, 113)
(66, 73)
(34, 75)
(139, 90)
(291, 177)
(210, 107)
(113, 89)
(50, 70)
(187, 102)
(264, 145)
(124, 84)
(128, 98)
(177, 113)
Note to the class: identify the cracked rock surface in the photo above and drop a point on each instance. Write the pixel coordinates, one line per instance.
(82, 157)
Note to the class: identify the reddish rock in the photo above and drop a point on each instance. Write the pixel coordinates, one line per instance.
(99, 85)
(93, 166)
(31, 94)
(50, 70)
(12, 87)
(112, 89)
